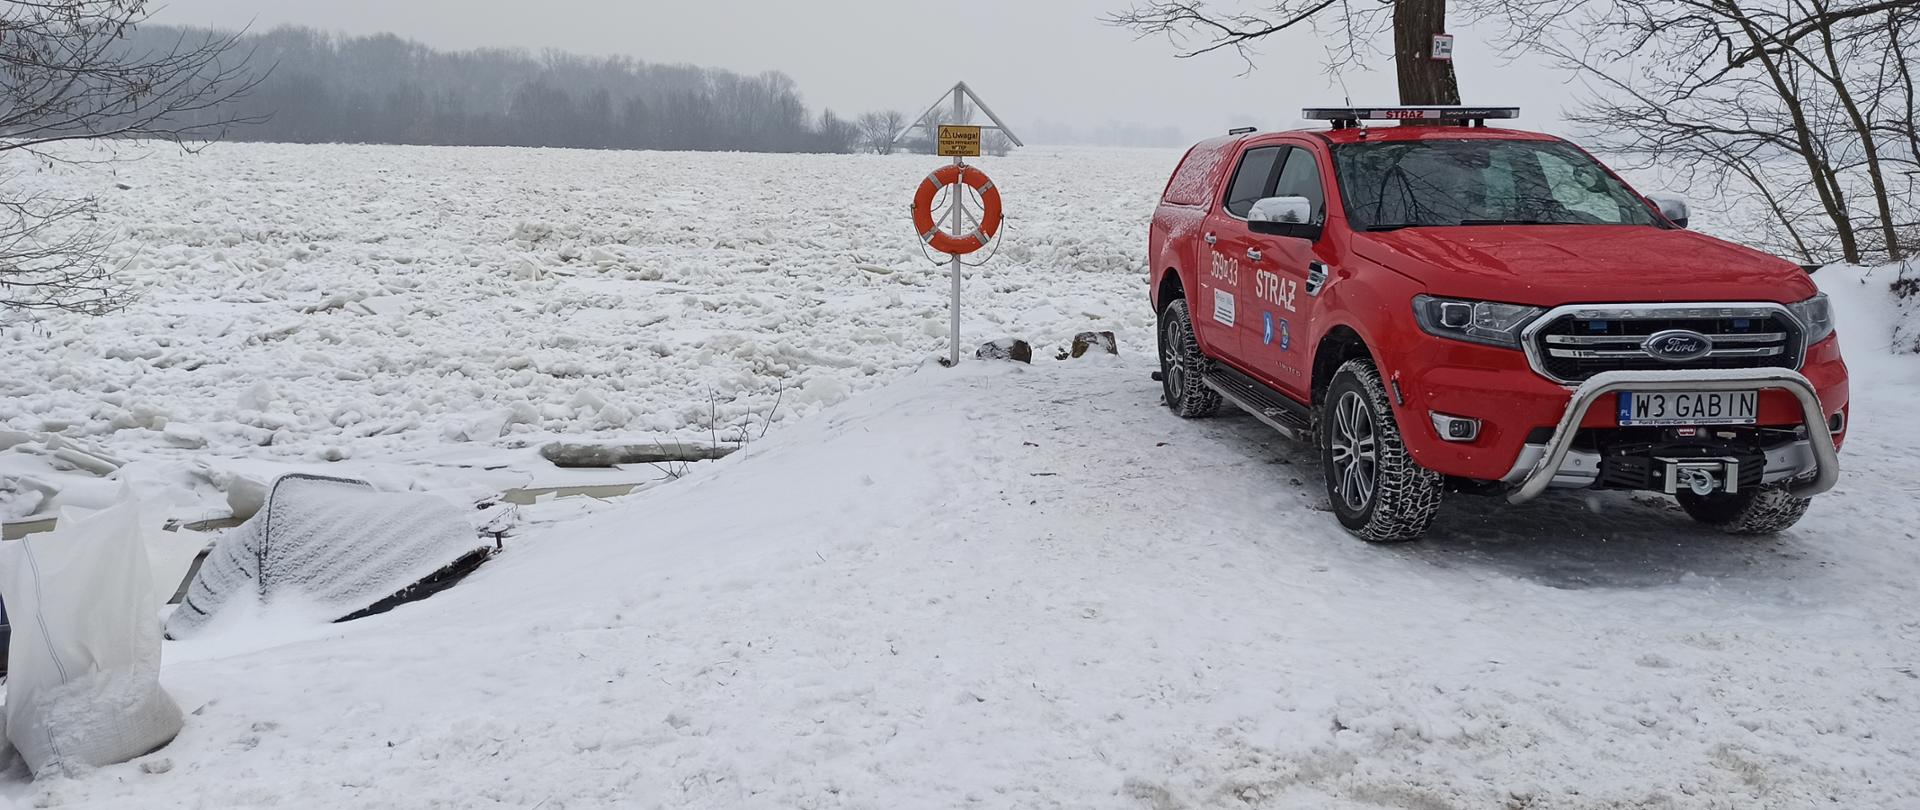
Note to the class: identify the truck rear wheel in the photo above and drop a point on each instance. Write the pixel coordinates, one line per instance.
(1767, 509)
(1378, 491)
(1182, 364)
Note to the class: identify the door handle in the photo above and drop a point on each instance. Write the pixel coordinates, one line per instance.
(1211, 239)
(1316, 277)
(1253, 255)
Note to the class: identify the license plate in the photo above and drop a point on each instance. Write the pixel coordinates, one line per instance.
(1667, 408)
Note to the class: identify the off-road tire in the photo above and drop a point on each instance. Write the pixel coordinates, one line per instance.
(1182, 364)
(1767, 509)
(1404, 496)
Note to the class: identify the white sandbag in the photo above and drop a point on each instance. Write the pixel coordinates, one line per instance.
(83, 686)
(170, 555)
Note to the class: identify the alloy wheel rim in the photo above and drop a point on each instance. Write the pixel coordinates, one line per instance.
(1355, 448)
(1170, 367)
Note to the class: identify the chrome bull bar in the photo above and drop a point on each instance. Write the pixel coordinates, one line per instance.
(1813, 417)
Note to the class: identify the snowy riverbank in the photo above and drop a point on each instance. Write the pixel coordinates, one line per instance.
(1001, 586)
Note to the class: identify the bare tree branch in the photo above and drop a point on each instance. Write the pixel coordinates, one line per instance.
(1796, 110)
(1193, 29)
(67, 74)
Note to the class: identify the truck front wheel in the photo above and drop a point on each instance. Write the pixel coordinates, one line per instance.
(1378, 491)
(1762, 510)
(1182, 364)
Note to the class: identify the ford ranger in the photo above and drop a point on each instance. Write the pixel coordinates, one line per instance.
(1452, 307)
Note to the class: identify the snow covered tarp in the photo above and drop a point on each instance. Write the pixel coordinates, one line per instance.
(336, 546)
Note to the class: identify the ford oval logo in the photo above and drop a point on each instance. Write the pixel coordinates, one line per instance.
(1677, 345)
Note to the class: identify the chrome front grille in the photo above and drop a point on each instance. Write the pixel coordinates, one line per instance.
(1572, 344)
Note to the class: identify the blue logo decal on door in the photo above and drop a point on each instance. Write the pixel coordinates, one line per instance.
(1285, 335)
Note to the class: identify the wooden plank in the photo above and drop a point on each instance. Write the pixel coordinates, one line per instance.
(600, 454)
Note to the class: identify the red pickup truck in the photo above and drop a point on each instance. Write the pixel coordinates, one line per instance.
(1454, 307)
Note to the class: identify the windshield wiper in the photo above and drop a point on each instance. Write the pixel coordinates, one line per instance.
(1508, 222)
(1394, 226)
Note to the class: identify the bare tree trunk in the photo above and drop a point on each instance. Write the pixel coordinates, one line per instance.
(1908, 126)
(1832, 196)
(1896, 52)
(1775, 207)
(1197, 29)
(1423, 79)
(1838, 78)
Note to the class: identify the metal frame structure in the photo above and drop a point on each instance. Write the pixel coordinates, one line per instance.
(960, 94)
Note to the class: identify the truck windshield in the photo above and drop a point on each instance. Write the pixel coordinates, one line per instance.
(1415, 184)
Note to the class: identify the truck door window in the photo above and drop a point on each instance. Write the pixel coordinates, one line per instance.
(1301, 178)
(1253, 180)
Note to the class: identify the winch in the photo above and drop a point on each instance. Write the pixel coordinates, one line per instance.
(1702, 476)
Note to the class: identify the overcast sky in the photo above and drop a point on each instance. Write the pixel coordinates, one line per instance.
(1033, 61)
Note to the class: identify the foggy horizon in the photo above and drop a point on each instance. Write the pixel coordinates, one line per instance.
(1053, 71)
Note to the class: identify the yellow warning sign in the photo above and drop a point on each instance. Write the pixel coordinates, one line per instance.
(958, 141)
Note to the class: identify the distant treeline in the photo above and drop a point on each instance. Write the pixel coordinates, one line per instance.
(327, 88)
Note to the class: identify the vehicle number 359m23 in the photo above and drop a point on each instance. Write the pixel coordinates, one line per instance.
(1226, 269)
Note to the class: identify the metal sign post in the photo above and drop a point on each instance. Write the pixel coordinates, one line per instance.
(958, 139)
(959, 226)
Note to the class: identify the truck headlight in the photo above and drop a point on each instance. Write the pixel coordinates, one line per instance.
(1482, 322)
(1816, 317)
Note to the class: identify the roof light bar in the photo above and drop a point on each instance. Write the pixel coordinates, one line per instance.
(1352, 116)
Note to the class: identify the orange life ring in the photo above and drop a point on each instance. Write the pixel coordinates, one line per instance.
(940, 240)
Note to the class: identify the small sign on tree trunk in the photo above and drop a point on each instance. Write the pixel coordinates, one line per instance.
(1443, 47)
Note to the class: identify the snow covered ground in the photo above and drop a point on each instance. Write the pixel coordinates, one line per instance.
(999, 586)
(1033, 587)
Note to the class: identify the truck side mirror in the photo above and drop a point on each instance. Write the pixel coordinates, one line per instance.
(1283, 216)
(1672, 206)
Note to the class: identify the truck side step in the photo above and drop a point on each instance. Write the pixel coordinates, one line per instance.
(1278, 411)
